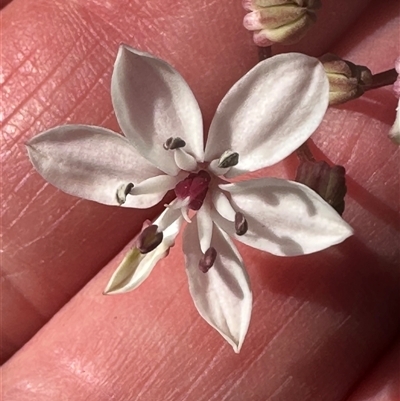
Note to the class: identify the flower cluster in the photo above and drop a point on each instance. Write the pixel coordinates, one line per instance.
(263, 118)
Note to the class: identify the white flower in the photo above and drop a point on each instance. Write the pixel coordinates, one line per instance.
(264, 117)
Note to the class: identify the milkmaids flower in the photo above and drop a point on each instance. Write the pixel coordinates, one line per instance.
(264, 117)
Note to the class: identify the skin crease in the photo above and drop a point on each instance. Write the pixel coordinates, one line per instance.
(319, 323)
(3, 3)
(383, 382)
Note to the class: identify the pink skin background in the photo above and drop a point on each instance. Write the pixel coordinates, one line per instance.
(324, 326)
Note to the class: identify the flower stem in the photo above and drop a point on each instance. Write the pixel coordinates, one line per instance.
(304, 153)
(382, 79)
(264, 53)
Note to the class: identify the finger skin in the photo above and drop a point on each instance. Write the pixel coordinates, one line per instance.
(319, 321)
(383, 382)
(57, 61)
(3, 3)
(304, 340)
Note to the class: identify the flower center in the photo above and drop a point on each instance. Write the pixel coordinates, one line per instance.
(194, 187)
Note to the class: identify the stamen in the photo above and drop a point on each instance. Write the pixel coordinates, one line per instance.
(174, 143)
(149, 239)
(184, 160)
(123, 191)
(154, 185)
(241, 225)
(168, 217)
(223, 205)
(184, 211)
(208, 260)
(228, 159)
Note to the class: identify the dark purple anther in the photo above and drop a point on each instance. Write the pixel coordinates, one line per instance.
(174, 143)
(241, 225)
(149, 239)
(208, 259)
(194, 186)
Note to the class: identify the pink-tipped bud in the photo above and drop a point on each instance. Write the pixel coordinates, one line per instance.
(279, 21)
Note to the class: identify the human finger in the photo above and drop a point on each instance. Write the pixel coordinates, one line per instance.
(304, 341)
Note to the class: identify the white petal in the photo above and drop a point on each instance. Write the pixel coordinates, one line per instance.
(284, 217)
(270, 112)
(204, 225)
(222, 295)
(153, 102)
(136, 267)
(92, 163)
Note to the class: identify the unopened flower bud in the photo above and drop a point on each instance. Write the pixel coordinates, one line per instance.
(208, 260)
(346, 79)
(328, 182)
(149, 239)
(279, 21)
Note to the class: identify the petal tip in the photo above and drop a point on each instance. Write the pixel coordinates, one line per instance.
(30, 148)
(237, 346)
(126, 50)
(123, 47)
(111, 288)
(235, 343)
(348, 230)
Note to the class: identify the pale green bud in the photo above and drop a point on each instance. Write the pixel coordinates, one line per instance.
(346, 79)
(279, 21)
